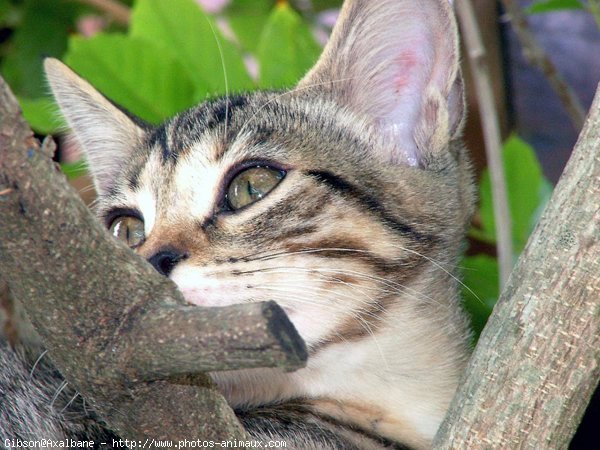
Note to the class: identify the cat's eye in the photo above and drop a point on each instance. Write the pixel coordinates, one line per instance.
(251, 185)
(128, 229)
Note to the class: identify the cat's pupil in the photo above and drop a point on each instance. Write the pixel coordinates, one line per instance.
(128, 229)
(252, 185)
(253, 192)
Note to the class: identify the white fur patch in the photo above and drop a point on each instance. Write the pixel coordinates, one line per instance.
(199, 288)
(197, 189)
(147, 206)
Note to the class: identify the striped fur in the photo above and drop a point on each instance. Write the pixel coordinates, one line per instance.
(358, 243)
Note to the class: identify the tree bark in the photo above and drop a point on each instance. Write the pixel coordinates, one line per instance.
(536, 364)
(117, 330)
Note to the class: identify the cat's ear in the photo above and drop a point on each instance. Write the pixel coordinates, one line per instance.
(396, 63)
(106, 134)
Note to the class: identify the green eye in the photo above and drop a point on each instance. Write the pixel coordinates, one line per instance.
(128, 229)
(251, 185)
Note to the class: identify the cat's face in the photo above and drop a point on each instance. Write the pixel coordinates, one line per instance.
(290, 204)
(344, 200)
(336, 200)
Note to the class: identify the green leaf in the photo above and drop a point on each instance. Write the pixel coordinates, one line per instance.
(134, 73)
(322, 5)
(247, 18)
(527, 192)
(5, 11)
(480, 290)
(180, 27)
(43, 31)
(42, 115)
(74, 170)
(544, 6)
(287, 49)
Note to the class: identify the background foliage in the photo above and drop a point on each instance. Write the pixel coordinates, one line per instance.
(173, 55)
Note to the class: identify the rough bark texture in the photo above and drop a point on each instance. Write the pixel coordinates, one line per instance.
(7, 314)
(537, 362)
(95, 303)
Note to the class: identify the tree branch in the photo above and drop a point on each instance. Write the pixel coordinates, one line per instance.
(536, 364)
(593, 6)
(7, 309)
(96, 304)
(538, 58)
(491, 133)
(240, 336)
(119, 12)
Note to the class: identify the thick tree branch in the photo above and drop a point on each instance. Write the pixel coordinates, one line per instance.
(536, 364)
(96, 304)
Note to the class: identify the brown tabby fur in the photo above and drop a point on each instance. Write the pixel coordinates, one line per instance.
(358, 243)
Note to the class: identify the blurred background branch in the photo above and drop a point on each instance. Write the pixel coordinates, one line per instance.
(114, 9)
(476, 53)
(538, 57)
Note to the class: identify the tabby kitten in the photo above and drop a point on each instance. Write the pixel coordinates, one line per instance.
(344, 200)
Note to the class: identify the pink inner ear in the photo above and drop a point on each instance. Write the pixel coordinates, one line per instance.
(396, 100)
(405, 66)
(394, 54)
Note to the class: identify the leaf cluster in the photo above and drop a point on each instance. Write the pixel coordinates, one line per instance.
(171, 57)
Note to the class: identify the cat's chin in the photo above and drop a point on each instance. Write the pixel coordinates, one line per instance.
(199, 298)
(202, 297)
(215, 297)
(203, 291)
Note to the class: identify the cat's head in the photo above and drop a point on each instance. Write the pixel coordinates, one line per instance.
(343, 199)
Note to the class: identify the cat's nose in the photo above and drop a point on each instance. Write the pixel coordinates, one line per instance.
(165, 261)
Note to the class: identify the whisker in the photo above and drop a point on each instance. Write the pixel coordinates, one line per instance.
(305, 299)
(317, 250)
(36, 363)
(395, 286)
(94, 203)
(334, 307)
(311, 250)
(84, 405)
(354, 314)
(316, 289)
(224, 76)
(61, 388)
(87, 188)
(358, 287)
(367, 327)
(439, 266)
(342, 308)
(69, 403)
(392, 284)
(353, 286)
